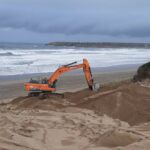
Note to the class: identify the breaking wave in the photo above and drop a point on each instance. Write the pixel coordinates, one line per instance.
(7, 54)
(32, 60)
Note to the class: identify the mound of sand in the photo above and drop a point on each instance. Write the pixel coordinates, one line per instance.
(130, 103)
(52, 103)
(116, 138)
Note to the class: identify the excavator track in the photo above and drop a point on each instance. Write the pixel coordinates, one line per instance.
(33, 94)
(45, 95)
(50, 95)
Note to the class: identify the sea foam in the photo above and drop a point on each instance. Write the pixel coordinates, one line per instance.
(37, 60)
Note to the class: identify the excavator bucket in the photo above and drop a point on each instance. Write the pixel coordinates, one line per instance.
(95, 86)
(70, 64)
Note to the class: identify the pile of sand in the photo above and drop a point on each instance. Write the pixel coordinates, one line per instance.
(129, 102)
(52, 103)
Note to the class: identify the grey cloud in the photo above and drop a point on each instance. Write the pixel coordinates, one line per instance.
(103, 18)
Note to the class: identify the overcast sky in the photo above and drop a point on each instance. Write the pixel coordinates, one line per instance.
(74, 20)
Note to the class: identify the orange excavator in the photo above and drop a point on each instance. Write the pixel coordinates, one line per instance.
(48, 85)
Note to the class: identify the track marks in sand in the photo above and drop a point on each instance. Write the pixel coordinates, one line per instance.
(68, 129)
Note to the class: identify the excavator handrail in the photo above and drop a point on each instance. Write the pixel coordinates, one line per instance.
(70, 64)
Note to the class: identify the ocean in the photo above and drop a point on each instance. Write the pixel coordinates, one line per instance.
(17, 59)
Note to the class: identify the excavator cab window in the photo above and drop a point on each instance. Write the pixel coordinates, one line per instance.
(33, 81)
(54, 84)
(39, 80)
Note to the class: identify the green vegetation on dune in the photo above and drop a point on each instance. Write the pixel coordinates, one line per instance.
(101, 44)
(143, 72)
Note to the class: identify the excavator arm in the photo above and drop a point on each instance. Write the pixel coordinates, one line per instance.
(66, 68)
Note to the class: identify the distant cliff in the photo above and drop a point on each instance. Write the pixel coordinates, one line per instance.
(101, 44)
